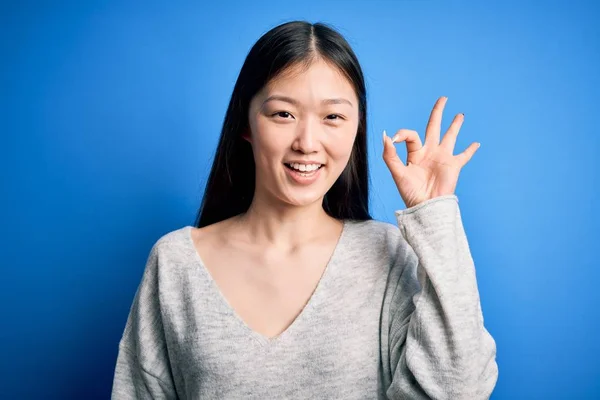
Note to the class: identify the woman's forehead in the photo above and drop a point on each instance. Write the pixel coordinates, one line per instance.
(319, 80)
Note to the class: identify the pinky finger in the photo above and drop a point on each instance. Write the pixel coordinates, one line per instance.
(465, 156)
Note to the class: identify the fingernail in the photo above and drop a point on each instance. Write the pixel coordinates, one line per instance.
(384, 135)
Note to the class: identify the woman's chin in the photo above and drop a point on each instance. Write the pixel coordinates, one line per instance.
(304, 200)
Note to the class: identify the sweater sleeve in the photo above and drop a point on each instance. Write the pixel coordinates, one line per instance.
(143, 369)
(438, 345)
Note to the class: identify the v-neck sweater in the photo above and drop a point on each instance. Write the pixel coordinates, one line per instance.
(395, 315)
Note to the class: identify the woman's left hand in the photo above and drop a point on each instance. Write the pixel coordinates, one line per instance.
(431, 170)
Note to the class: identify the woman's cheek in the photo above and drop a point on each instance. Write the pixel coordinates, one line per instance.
(341, 144)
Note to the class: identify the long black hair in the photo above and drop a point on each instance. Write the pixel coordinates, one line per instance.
(230, 187)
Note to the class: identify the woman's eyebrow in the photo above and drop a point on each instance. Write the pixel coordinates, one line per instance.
(296, 103)
(337, 101)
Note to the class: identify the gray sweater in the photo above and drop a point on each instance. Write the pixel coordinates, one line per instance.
(395, 315)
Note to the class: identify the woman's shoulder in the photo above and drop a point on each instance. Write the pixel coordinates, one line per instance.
(188, 244)
(373, 226)
(174, 247)
(177, 237)
(187, 235)
(372, 232)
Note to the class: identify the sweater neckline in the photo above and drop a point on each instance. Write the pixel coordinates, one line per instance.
(316, 298)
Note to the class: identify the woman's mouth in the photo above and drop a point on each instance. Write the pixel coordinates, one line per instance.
(303, 173)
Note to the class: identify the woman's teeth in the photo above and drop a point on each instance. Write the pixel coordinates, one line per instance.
(304, 169)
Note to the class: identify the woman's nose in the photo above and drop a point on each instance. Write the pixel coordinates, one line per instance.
(307, 138)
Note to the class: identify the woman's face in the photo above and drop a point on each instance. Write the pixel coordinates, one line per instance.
(303, 126)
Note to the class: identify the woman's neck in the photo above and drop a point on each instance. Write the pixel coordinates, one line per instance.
(286, 226)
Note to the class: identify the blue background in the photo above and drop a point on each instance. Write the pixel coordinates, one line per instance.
(110, 114)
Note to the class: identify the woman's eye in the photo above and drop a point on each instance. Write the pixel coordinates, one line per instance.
(334, 115)
(283, 114)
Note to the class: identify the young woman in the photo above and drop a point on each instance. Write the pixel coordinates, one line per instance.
(286, 288)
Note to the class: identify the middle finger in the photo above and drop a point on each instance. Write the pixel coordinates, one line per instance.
(434, 126)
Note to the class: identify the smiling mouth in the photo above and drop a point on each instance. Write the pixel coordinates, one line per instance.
(307, 171)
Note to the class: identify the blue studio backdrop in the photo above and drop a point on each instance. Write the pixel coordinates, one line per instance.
(110, 113)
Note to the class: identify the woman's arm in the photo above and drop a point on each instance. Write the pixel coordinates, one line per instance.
(438, 345)
(143, 369)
